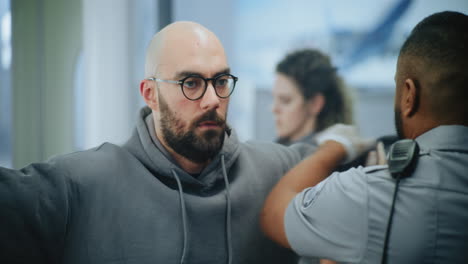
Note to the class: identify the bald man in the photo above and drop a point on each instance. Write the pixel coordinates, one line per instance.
(345, 217)
(183, 189)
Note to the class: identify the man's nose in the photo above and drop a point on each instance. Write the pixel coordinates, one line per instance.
(210, 99)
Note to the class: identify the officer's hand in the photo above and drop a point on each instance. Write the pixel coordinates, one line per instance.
(347, 136)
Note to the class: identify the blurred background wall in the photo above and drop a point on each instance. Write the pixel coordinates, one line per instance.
(70, 69)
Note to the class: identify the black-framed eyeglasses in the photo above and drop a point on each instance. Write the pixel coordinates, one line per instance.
(194, 86)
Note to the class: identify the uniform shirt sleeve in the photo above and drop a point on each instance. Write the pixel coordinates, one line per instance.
(330, 220)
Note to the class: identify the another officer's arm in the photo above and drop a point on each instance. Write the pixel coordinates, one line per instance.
(337, 143)
(322, 163)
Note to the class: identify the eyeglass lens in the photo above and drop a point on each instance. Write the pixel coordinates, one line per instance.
(194, 87)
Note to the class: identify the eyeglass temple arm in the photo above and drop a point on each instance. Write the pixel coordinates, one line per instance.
(161, 80)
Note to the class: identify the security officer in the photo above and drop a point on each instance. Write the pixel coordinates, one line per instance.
(386, 213)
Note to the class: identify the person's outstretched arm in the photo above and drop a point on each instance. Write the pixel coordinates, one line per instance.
(337, 143)
(34, 210)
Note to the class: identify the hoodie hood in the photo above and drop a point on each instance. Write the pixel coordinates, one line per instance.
(161, 164)
(146, 147)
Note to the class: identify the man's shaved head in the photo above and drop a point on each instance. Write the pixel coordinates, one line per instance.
(182, 36)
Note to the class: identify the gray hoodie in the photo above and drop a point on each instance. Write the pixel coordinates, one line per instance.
(133, 204)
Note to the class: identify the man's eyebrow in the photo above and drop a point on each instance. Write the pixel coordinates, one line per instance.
(183, 74)
(227, 70)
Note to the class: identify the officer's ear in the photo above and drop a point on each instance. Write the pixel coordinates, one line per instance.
(409, 98)
(149, 93)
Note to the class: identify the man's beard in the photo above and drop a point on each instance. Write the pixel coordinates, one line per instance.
(196, 148)
(399, 124)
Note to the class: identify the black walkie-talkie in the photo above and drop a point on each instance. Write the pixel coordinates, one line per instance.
(402, 158)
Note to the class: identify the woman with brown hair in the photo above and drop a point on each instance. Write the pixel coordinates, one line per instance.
(309, 96)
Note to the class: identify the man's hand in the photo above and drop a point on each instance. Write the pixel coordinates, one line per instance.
(347, 136)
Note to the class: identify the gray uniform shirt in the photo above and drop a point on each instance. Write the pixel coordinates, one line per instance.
(345, 216)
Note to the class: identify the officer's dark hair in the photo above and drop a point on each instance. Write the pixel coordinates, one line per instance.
(438, 48)
(313, 73)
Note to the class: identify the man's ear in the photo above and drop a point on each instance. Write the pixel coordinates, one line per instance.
(149, 93)
(410, 98)
(316, 104)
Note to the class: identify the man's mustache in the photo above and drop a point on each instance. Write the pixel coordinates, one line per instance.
(211, 116)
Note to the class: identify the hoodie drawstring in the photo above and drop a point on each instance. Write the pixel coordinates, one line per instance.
(184, 217)
(228, 212)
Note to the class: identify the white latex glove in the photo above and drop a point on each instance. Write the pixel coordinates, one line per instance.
(347, 136)
(377, 156)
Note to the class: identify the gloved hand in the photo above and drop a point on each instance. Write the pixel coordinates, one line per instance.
(377, 156)
(347, 136)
